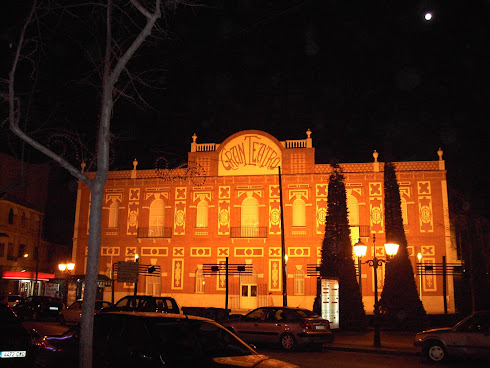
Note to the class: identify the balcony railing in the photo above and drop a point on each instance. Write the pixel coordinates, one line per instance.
(154, 232)
(364, 230)
(248, 232)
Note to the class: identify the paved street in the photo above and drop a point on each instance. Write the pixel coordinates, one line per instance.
(348, 355)
(335, 358)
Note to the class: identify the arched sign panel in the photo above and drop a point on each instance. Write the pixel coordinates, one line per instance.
(249, 154)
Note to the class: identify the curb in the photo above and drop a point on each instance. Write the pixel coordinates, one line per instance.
(372, 350)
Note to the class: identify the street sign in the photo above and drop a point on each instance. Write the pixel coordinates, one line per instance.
(233, 268)
(127, 271)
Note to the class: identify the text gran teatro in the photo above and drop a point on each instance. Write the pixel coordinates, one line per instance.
(226, 204)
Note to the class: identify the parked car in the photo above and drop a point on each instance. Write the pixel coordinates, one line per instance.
(16, 349)
(152, 339)
(39, 307)
(73, 313)
(10, 299)
(469, 337)
(287, 326)
(145, 303)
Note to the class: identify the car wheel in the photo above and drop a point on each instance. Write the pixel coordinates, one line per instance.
(435, 352)
(288, 342)
(61, 320)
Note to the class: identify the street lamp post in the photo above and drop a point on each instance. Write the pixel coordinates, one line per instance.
(360, 251)
(419, 257)
(66, 269)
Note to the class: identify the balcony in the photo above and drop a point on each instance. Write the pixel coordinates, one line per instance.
(154, 232)
(248, 232)
(364, 230)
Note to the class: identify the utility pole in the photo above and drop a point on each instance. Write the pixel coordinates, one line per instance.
(283, 246)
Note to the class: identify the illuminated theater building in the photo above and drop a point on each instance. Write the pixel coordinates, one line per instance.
(226, 205)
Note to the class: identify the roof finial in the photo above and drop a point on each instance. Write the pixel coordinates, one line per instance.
(375, 155)
(442, 165)
(133, 173)
(439, 153)
(309, 143)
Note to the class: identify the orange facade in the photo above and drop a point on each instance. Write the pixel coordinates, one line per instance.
(226, 204)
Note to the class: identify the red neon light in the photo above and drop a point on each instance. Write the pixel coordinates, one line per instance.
(28, 275)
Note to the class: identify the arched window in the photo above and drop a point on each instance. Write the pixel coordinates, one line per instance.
(157, 217)
(299, 282)
(199, 288)
(249, 217)
(114, 215)
(11, 216)
(202, 214)
(404, 209)
(353, 210)
(299, 213)
(23, 219)
(35, 223)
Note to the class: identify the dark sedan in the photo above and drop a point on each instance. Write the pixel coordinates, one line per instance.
(469, 338)
(16, 349)
(153, 339)
(145, 303)
(38, 307)
(287, 326)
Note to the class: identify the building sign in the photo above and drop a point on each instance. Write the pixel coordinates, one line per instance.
(250, 154)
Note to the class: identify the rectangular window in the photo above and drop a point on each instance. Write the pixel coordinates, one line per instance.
(22, 250)
(10, 252)
(114, 215)
(299, 282)
(2, 250)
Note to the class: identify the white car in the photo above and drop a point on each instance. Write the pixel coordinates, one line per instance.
(470, 338)
(73, 313)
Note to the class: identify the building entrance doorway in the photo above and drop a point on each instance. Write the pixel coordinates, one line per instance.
(249, 291)
(248, 296)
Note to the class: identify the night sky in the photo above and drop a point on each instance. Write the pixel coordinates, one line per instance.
(362, 75)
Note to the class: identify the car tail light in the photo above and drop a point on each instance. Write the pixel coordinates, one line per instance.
(306, 326)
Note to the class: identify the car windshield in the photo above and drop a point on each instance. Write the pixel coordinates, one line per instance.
(305, 313)
(197, 338)
(474, 323)
(53, 300)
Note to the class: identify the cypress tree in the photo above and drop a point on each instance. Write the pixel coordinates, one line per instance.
(337, 260)
(399, 304)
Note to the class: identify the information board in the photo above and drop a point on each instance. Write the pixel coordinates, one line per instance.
(127, 272)
(330, 301)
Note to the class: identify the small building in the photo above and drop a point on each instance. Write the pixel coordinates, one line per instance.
(225, 205)
(23, 251)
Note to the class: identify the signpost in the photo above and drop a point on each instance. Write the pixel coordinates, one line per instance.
(229, 269)
(129, 272)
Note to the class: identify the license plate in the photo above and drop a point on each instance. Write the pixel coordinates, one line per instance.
(319, 327)
(53, 308)
(12, 354)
